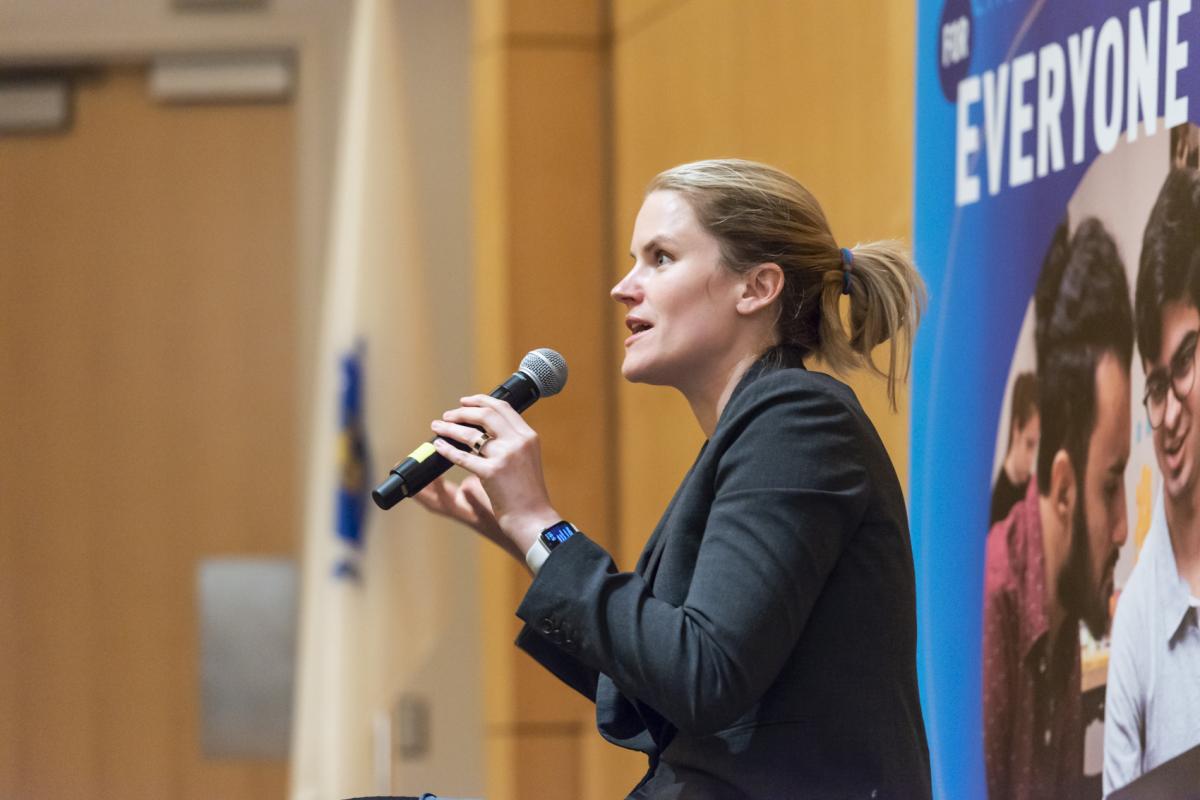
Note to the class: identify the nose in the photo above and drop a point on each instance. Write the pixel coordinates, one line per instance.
(1173, 411)
(627, 291)
(1121, 530)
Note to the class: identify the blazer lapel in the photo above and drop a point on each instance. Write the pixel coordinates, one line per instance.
(653, 551)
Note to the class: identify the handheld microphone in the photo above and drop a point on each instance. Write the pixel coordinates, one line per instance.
(542, 373)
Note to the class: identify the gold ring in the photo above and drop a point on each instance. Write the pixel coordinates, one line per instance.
(478, 445)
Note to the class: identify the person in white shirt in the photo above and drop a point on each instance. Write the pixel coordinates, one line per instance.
(1152, 705)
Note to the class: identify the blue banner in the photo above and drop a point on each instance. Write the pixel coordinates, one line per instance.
(1045, 134)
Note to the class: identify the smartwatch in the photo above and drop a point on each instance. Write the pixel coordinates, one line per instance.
(549, 539)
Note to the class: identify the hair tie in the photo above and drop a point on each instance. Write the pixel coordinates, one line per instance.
(847, 268)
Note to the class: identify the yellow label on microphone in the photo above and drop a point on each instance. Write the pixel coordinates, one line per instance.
(423, 452)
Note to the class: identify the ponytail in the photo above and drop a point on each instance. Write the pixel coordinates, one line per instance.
(886, 297)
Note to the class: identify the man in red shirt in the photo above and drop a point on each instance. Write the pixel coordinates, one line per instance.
(1049, 564)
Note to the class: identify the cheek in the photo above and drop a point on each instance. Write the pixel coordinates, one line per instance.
(1099, 516)
(1157, 436)
(1110, 517)
(697, 324)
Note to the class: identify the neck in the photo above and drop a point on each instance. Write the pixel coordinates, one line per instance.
(1055, 543)
(708, 398)
(1183, 527)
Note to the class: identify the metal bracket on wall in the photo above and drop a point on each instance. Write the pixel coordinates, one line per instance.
(223, 78)
(35, 102)
(220, 5)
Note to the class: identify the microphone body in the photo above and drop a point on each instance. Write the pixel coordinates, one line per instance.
(543, 373)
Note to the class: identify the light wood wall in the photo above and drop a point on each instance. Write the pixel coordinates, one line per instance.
(578, 104)
(539, 127)
(148, 419)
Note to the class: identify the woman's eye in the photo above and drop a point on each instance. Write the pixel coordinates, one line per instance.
(661, 258)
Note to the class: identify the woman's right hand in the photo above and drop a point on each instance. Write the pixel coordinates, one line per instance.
(467, 503)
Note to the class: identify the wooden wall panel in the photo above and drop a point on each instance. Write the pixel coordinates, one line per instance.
(148, 396)
(541, 206)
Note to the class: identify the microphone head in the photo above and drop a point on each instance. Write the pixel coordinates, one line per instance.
(547, 369)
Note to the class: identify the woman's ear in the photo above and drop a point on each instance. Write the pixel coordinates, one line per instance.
(760, 287)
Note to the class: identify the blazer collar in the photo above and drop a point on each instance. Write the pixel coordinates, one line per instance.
(777, 357)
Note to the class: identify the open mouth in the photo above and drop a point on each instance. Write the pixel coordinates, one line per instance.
(636, 327)
(1174, 452)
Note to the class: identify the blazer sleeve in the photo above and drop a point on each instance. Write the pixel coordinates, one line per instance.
(562, 664)
(790, 489)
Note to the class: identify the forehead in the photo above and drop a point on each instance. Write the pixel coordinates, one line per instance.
(1110, 433)
(664, 213)
(1179, 318)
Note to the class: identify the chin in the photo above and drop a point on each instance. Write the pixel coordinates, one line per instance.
(1180, 487)
(632, 371)
(1181, 484)
(651, 374)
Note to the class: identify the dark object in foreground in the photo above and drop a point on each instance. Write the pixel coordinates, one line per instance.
(1177, 779)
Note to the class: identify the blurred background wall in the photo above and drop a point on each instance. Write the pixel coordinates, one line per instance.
(154, 276)
(161, 280)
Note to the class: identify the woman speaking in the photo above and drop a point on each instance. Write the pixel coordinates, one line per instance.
(765, 645)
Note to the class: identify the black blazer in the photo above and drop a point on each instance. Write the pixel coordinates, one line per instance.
(765, 645)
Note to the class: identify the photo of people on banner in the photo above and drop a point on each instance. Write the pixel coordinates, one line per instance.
(1091, 609)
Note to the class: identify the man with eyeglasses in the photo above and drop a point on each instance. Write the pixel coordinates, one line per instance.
(1152, 705)
(1049, 563)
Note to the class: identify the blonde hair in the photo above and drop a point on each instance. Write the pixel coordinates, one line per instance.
(759, 214)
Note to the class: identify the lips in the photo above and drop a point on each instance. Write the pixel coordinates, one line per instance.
(1174, 453)
(636, 324)
(638, 327)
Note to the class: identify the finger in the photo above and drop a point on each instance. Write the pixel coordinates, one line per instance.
(465, 509)
(477, 497)
(426, 498)
(502, 409)
(447, 499)
(478, 506)
(437, 496)
(439, 489)
(459, 433)
(485, 418)
(468, 461)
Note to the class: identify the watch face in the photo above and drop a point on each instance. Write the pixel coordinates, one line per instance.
(557, 534)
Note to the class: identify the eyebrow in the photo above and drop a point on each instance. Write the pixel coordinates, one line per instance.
(1188, 341)
(657, 241)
